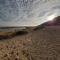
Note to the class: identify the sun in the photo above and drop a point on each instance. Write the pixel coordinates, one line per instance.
(51, 17)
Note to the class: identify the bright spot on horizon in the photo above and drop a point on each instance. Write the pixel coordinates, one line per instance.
(51, 17)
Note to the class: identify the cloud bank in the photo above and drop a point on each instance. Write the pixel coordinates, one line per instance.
(27, 12)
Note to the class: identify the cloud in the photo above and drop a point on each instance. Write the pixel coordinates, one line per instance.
(26, 12)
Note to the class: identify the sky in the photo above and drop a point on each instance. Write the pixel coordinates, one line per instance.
(27, 12)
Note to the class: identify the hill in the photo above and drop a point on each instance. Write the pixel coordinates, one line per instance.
(40, 44)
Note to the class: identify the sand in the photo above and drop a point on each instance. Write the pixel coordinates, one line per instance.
(40, 44)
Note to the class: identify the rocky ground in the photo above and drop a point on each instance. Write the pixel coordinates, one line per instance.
(40, 44)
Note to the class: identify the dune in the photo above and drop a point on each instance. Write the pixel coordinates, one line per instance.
(40, 43)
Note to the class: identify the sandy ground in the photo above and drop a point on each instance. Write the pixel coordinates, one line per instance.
(41, 44)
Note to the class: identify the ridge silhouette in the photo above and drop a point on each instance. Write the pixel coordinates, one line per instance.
(54, 22)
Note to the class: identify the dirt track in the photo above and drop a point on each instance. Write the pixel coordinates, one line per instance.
(38, 45)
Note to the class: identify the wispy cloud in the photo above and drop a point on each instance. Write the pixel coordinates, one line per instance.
(26, 12)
